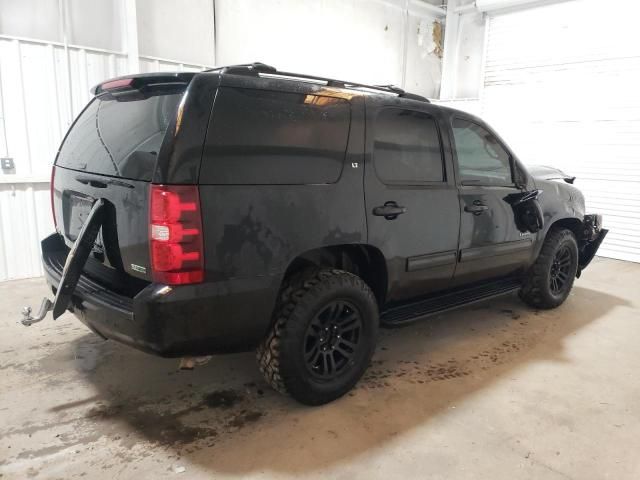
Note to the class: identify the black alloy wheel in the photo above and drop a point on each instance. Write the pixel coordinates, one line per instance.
(332, 339)
(550, 279)
(323, 335)
(560, 270)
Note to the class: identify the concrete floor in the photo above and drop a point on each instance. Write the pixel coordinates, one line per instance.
(491, 391)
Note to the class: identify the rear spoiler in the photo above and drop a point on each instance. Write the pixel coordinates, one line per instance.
(143, 84)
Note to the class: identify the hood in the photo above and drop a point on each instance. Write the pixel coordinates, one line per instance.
(543, 172)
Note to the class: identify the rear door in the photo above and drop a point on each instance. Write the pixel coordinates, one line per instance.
(110, 152)
(491, 245)
(411, 198)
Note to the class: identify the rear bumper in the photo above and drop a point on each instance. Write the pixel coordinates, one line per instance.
(201, 319)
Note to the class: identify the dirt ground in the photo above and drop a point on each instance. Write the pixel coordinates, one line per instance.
(495, 390)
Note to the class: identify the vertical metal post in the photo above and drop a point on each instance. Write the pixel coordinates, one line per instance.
(405, 43)
(62, 13)
(3, 119)
(483, 64)
(215, 34)
(450, 52)
(131, 36)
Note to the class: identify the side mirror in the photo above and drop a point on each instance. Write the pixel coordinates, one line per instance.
(527, 211)
(519, 177)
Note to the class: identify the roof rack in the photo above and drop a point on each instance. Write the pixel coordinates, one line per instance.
(263, 70)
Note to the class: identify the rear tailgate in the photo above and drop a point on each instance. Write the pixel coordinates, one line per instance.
(123, 241)
(111, 152)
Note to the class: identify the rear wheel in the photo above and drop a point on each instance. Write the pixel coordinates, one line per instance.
(550, 279)
(322, 338)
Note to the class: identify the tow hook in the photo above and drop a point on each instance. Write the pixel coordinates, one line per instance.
(28, 320)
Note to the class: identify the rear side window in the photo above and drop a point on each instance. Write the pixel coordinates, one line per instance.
(119, 138)
(266, 137)
(406, 147)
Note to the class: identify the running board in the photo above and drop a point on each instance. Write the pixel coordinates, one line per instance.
(410, 312)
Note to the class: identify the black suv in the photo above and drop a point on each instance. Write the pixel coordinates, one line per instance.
(243, 207)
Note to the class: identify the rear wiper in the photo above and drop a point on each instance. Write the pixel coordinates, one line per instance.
(102, 184)
(120, 183)
(91, 181)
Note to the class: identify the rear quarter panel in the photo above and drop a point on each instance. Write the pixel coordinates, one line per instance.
(258, 230)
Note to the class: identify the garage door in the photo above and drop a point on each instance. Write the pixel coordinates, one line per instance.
(562, 84)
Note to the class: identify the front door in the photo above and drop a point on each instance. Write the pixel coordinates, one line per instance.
(491, 245)
(411, 199)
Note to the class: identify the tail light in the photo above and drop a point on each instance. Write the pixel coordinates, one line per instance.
(51, 194)
(176, 234)
(118, 83)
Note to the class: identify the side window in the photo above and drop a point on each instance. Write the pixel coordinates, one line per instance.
(481, 158)
(263, 137)
(406, 147)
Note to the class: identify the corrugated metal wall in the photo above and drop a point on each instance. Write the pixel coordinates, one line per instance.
(25, 218)
(43, 86)
(562, 86)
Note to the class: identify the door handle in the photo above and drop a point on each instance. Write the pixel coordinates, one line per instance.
(390, 210)
(477, 208)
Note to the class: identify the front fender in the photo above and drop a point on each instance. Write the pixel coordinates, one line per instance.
(561, 203)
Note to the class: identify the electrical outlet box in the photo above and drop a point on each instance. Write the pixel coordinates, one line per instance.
(7, 163)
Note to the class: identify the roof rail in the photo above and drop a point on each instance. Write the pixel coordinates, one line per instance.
(262, 70)
(248, 68)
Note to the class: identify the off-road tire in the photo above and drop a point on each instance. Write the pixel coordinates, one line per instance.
(537, 290)
(281, 355)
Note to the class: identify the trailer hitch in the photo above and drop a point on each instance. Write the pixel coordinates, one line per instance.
(45, 307)
(72, 268)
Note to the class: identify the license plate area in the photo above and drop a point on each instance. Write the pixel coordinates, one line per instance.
(76, 208)
(78, 257)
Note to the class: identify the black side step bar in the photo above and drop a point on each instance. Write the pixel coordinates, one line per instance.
(410, 312)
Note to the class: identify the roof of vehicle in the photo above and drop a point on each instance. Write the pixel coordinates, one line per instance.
(262, 70)
(248, 74)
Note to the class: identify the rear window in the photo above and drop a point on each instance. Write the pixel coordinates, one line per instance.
(119, 138)
(266, 137)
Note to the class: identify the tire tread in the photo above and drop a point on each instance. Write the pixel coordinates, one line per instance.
(291, 294)
(534, 291)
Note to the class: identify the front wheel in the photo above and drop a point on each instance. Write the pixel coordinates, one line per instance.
(551, 277)
(323, 337)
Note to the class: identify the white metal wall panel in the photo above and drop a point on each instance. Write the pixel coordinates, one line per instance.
(561, 85)
(89, 68)
(25, 218)
(35, 98)
(43, 87)
(152, 64)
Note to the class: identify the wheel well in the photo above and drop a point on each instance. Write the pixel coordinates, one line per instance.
(363, 260)
(572, 224)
